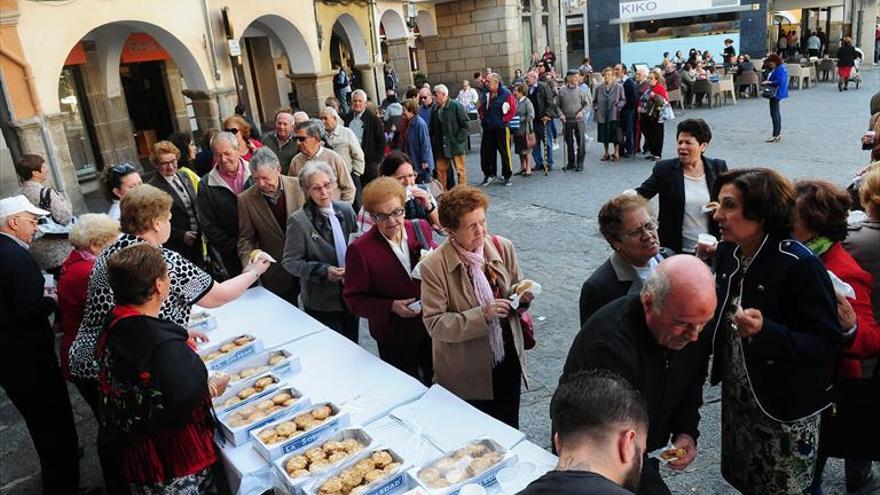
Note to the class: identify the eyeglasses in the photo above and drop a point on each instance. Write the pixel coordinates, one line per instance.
(123, 168)
(231, 130)
(32, 221)
(168, 163)
(638, 232)
(300, 138)
(328, 186)
(382, 217)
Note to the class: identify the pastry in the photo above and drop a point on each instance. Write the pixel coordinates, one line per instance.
(337, 456)
(212, 356)
(351, 478)
(277, 358)
(381, 458)
(351, 445)
(364, 466)
(374, 475)
(247, 392)
(476, 450)
(296, 463)
(280, 398)
(243, 340)
(247, 372)
(318, 465)
(300, 473)
(332, 446)
(479, 465)
(232, 400)
(266, 435)
(394, 466)
(289, 402)
(455, 475)
(429, 474)
(265, 405)
(446, 464)
(227, 347)
(286, 429)
(257, 415)
(302, 420)
(673, 454)
(333, 484)
(315, 453)
(439, 483)
(322, 413)
(263, 382)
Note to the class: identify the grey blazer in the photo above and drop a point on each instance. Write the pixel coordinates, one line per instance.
(309, 253)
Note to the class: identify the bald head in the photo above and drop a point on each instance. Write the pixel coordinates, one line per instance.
(679, 300)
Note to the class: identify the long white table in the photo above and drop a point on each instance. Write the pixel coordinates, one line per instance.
(395, 409)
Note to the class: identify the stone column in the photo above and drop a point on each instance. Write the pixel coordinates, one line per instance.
(373, 81)
(398, 55)
(539, 40)
(30, 133)
(174, 90)
(312, 90)
(211, 106)
(556, 38)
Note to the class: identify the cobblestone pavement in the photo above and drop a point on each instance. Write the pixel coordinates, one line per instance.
(552, 223)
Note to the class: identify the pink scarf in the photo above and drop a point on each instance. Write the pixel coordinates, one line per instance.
(475, 261)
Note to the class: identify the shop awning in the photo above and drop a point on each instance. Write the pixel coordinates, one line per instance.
(780, 5)
(784, 15)
(690, 13)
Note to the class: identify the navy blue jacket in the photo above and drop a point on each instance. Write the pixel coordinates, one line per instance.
(24, 327)
(790, 361)
(491, 108)
(631, 91)
(418, 144)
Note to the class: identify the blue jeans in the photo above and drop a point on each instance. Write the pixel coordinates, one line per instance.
(628, 120)
(542, 135)
(775, 116)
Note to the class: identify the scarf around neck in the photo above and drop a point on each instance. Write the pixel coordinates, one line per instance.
(474, 262)
(819, 245)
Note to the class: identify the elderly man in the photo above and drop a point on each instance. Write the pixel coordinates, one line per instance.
(452, 134)
(308, 135)
(541, 97)
(343, 141)
(185, 237)
(263, 210)
(641, 81)
(300, 117)
(281, 141)
(29, 371)
(672, 77)
(368, 128)
(497, 108)
(574, 105)
(628, 113)
(217, 202)
(602, 426)
(654, 340)
(632, 234)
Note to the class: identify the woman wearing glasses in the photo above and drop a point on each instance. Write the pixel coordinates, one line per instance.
(479, 352)
(685, 185)
(419, 204)
(118, 180)
(379, 284)
(235, 124)
(315, 247)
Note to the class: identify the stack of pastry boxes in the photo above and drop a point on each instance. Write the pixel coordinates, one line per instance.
(256, 394)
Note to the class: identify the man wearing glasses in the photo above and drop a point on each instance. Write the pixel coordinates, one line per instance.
(632, 234)
(370, 131)
(308, 136)
(29, 371)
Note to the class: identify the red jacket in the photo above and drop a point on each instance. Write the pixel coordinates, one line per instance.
(374, 278)
(867, 339)
(72, 288)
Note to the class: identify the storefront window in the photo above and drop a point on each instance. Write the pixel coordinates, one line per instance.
(76, 121)
(682, 27)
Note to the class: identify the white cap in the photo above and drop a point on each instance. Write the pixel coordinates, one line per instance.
(18, 204)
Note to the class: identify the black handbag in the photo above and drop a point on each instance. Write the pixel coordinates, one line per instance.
(769, 91)
(850, 427)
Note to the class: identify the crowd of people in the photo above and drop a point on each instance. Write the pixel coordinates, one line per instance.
(371, 216)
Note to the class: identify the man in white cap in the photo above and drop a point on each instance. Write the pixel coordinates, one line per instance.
(29, 371)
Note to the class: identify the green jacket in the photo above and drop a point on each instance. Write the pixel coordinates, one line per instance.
(454, 127)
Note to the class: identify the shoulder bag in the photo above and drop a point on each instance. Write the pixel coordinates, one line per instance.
(48, 226)
(849, 428)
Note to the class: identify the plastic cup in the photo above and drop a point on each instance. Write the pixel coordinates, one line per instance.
(526, 471)
(472, 489)
(508, 480)
(707, 240)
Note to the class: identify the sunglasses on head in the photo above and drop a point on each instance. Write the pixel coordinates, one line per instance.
(123, 168)
(232, 130)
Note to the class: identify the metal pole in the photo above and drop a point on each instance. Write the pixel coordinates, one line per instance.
(376, 55)
(51, 155)
(214, 62)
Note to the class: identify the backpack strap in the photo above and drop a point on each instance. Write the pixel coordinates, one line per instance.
(45, 198)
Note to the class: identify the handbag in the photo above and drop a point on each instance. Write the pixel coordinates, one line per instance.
(666, 113)
(849, 428)
(48, 225)
(768, 91)
(525, 318)
(531, 140)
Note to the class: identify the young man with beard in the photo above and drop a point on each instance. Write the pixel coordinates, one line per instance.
(654, 340)
(602, 426)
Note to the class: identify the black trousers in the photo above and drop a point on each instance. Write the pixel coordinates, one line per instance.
(114, 482)
(358, 192)
(775, 116)
(32, 379)
(506, 378)
(573, 133)
(653, 132)
(495, 142)
(341, 322)
(651, 482)
(415, 359)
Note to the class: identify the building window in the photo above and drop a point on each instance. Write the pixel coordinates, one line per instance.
(682, 27)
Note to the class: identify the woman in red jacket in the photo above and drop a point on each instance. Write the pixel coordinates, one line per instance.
(89, 236)
(379, 283)
(651, 102)
(821, 210)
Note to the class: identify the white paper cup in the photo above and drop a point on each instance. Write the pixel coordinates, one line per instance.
(472, 489)
(508, 480)
(707, 240)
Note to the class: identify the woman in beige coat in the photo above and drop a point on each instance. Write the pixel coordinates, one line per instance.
(49, 250)
(466, 282)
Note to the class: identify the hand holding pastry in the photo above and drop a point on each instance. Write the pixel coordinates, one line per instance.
(217, 384)
(258, 264)
(684, 444)
(197, 336)
(496, 308)
(400, 307)
(335, 273)
(748, 321)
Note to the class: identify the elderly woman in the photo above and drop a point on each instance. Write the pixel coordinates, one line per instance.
(778, 82)
(117, 181)
(608, 100)
(776, 337)
(217, 203)
(418, 142)
(377, 289)
(685, 185)
(155, 390)
(185, 237)
(419, 204)
(245, 143)
(651, 102)
(343, 141)
(477, 336)
(821, 210)
(184, 143)
(314, 249)
(49, 250)
(864, 237)
(91, 234)
(146, 213)
(526, 113)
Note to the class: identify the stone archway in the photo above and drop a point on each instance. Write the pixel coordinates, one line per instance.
(347, 34)
(397, 45)
(425, 21)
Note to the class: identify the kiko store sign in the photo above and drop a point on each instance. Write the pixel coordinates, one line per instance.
(647, 8)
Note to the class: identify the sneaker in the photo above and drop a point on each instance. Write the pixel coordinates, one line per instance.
(507, 182)
(486, 181)
(500, 180)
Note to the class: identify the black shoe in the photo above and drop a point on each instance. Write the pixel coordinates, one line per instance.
(507, 182)
(650, 157)
(486, 181)
(579, 169)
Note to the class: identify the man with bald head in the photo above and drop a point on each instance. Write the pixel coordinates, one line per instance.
(281, 140)
(655, 340)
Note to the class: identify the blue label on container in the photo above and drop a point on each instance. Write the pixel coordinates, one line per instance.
(391, 485)
(236, 356)
(282, 369)
(309, 438)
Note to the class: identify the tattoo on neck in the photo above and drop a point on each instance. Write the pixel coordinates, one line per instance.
(568, 463)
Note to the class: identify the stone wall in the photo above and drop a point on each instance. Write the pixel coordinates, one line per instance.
(753, 30)
(604, 38)
(474, 35)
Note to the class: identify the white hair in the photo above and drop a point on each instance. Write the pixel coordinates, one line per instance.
(359, 92)
(331, 112)
(263, 157)
(441, 88)
(299, 117)
(221, 136)
(311, 168)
